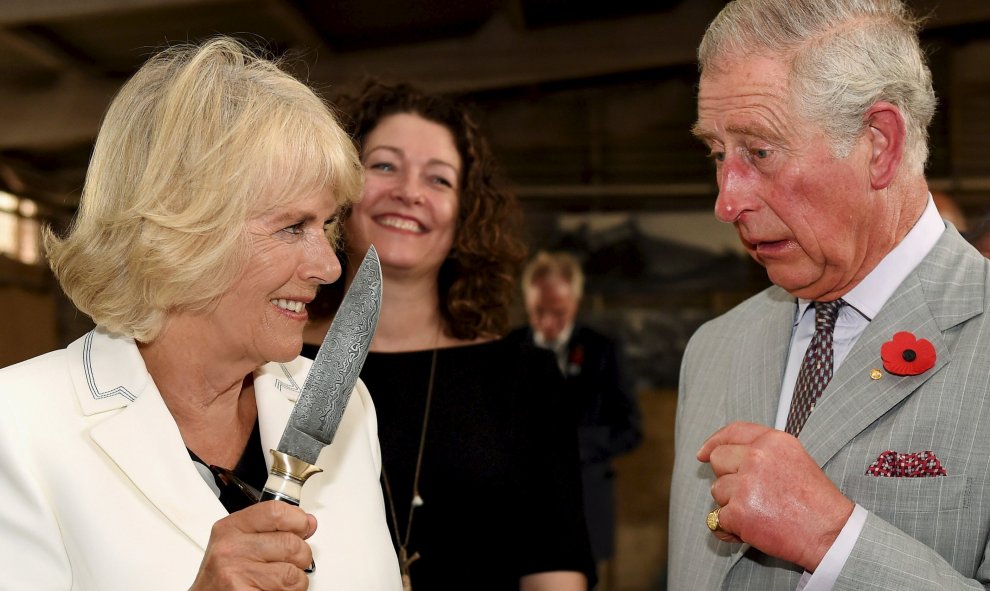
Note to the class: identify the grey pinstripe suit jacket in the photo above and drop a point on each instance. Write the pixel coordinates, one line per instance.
(921, 533)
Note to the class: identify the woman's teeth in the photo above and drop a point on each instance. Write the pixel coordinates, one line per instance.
(290, 305)
(400, 223)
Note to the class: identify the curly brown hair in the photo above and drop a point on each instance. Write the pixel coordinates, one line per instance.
(477, 281)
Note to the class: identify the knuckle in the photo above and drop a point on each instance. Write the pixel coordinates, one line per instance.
(221, 549)
(280, 515)
(291, 544)
(290, 577)
(294, 549)
(218, 529)
(275, 509)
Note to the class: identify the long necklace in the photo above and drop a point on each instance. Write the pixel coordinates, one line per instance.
(403, 542)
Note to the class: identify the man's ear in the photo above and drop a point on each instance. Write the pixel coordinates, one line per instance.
(886, 130)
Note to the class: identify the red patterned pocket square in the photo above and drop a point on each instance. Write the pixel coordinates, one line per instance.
(916, 465)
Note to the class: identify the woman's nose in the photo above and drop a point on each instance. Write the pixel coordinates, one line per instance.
(321, 265)
(409, 189)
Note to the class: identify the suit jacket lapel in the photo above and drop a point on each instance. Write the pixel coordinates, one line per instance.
(275, 394)
(144, 442)
(945, 289)
(139, 434)
(759, 371)
(760, 366)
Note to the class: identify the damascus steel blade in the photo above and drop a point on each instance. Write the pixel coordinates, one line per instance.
(317, 413)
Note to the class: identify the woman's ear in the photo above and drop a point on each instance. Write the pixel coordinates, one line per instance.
(886, 130)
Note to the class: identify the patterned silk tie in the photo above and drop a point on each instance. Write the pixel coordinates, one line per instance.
(816, 369)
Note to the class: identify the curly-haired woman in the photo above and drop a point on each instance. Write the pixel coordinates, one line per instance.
(479, 453)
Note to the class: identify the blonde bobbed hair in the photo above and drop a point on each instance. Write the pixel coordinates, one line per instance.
(199, 141)
(845, 56)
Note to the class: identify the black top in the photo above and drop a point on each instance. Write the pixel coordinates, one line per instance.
(500, 478)
(250, 469)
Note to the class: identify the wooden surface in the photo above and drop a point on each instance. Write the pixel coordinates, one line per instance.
(643, 488)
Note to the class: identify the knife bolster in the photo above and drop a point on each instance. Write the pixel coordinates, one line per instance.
(287, 477)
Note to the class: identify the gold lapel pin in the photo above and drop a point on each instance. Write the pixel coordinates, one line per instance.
(875, 374)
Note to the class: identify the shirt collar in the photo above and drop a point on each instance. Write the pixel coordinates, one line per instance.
(876, 288)
(557, 345)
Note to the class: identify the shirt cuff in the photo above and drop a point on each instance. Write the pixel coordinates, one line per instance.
(823, 579)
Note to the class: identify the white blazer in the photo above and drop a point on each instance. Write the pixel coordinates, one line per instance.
(97, 490)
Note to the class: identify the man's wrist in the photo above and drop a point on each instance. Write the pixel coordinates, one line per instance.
(827, 540)
(824, 577)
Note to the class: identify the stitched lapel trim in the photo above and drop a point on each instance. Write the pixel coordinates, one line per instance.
(107, 371)
(141, 438)
(276, 390)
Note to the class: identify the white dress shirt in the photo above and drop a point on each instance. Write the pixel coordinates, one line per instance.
(558, 346)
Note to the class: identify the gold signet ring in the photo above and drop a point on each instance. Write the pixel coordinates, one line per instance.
(713, 519)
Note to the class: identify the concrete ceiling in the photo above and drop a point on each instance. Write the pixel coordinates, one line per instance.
(588, 104)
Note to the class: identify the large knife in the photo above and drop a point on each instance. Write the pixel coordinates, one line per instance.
(319, 408)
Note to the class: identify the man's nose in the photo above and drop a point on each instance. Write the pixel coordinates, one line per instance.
(735, 190)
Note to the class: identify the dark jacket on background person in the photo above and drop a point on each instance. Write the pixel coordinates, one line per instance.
(609, 423)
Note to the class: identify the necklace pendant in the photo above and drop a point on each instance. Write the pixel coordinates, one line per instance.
(417, 501)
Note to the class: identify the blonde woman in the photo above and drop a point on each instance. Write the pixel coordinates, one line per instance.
(204, 229)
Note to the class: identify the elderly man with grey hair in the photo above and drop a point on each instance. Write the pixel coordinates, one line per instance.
(831, 430)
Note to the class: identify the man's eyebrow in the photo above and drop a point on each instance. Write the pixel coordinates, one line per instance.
(757, 131)
(701, 133)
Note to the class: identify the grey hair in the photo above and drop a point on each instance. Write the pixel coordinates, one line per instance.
(844, 55)
(553, 264)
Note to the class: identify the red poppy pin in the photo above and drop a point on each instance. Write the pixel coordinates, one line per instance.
(905, 355)
(575, 360)
(577, 355)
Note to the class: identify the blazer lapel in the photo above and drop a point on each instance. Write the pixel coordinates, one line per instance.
(953, 273)
(140, 436)
(759, 370)
(275, 392)
(853, 400)
(144, 442)
(138, 433)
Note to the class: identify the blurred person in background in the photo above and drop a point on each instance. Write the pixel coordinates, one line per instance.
(979, 236)
(204, 229)
(597, 390)
(480, 463)
(950, 211)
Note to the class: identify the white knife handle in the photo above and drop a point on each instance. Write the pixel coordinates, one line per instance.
(285, 482)
(287, 478)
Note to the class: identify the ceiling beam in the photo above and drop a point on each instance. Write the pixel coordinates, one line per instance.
(35, 11)
(65, 113)
(948, 13)
(501, 55)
